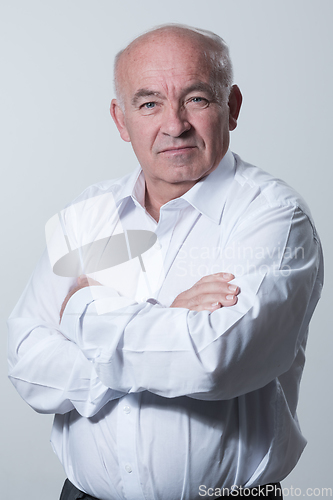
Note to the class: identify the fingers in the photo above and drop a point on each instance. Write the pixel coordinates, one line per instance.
(209, 293)
(84, 281)
(207, 307)
(217, 276)
(68, 296)
(212, 300)
(231, 298)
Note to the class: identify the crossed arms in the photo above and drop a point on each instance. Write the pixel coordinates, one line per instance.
(191, 348)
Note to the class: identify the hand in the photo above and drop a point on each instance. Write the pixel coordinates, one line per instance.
(82, 282)
(208, 294)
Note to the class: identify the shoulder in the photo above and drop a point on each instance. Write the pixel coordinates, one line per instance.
(94, 214)
(264, 186)
(106, 187)
(257, 189)
(257, 198)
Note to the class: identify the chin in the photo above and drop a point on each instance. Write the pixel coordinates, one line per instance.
(184, 177)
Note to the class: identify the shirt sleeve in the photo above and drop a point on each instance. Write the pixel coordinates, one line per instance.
(276, 258)
(51, 373)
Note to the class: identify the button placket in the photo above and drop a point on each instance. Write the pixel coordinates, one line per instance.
(128, 408)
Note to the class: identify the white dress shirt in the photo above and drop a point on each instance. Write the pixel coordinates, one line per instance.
(153, 402)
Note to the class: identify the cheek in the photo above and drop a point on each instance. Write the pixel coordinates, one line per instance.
(210, 123)
(142, 141)
(140, 132)
(213, 134)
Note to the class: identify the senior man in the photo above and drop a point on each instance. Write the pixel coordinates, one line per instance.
(189, 391)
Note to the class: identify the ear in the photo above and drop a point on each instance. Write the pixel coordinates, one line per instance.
(119, 118)
(235, 102)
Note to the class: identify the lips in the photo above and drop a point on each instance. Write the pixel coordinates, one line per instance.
(178, 149)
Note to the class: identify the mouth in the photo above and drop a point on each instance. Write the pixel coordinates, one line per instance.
(177, 150)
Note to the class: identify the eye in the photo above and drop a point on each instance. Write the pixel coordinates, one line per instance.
(198, 101)
(149, 105)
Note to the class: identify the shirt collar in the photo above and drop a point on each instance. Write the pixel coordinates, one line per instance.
(208, 196)
(131, 186)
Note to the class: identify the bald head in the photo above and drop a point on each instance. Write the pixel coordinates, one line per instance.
(176, 106)
(212, 48)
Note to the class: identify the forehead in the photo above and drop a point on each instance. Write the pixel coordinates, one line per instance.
(168, 61)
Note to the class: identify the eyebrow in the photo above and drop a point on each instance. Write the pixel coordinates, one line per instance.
(200, 87)
(143, 93)
(195, 87)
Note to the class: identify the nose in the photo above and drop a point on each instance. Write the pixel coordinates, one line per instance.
(174, 122)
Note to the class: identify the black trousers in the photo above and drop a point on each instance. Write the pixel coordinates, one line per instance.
(272, 491)
(70, 492)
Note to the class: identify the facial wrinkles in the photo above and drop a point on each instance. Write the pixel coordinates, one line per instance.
(173, 86)
(170, 96)
(162, 62)
(167, 69)
(168, 48)
(171, 80)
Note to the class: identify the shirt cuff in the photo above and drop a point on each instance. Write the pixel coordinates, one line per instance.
(106, 300)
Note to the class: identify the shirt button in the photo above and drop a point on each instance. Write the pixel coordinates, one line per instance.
(158, 245)
(127, 409)
(128, 468)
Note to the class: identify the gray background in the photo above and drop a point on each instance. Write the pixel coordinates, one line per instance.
(57, 137)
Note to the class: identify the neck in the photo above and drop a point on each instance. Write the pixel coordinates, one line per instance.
(155, 198)
(152, 208)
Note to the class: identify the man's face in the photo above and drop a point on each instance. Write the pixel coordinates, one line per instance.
(178, 128)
